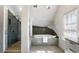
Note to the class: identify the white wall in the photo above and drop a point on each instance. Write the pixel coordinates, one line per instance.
(58, 24)
(25, 45)
(1, 27)
(30, 22)
(5, 28)
(42, 16)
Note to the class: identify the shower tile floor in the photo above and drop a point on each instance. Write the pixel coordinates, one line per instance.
(46, 49)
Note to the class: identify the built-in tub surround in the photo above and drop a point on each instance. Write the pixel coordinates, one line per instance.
(44, 39)
(44, 36)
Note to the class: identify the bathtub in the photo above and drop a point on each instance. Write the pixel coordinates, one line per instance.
(44, 39)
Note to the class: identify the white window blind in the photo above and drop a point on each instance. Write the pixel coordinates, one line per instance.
(70, 24)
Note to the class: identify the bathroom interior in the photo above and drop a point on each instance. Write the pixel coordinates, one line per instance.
(39, 29)
(44, 39)
(54, 29)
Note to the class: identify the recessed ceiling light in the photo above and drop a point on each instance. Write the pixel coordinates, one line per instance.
(20, 9)
(50, 7)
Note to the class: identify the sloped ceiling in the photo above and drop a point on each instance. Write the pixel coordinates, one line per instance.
(15, 9)
(42, 15)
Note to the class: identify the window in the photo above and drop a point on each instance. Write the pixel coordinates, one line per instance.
(70, 25)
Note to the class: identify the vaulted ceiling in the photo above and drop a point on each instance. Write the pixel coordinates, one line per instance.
(42, 15)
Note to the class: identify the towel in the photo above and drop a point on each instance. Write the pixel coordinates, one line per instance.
(45, 39)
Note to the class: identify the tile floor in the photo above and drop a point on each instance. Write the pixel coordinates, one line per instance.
(15, 48)
(46, 49)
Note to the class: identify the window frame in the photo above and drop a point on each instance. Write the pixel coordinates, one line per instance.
(73, 11)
